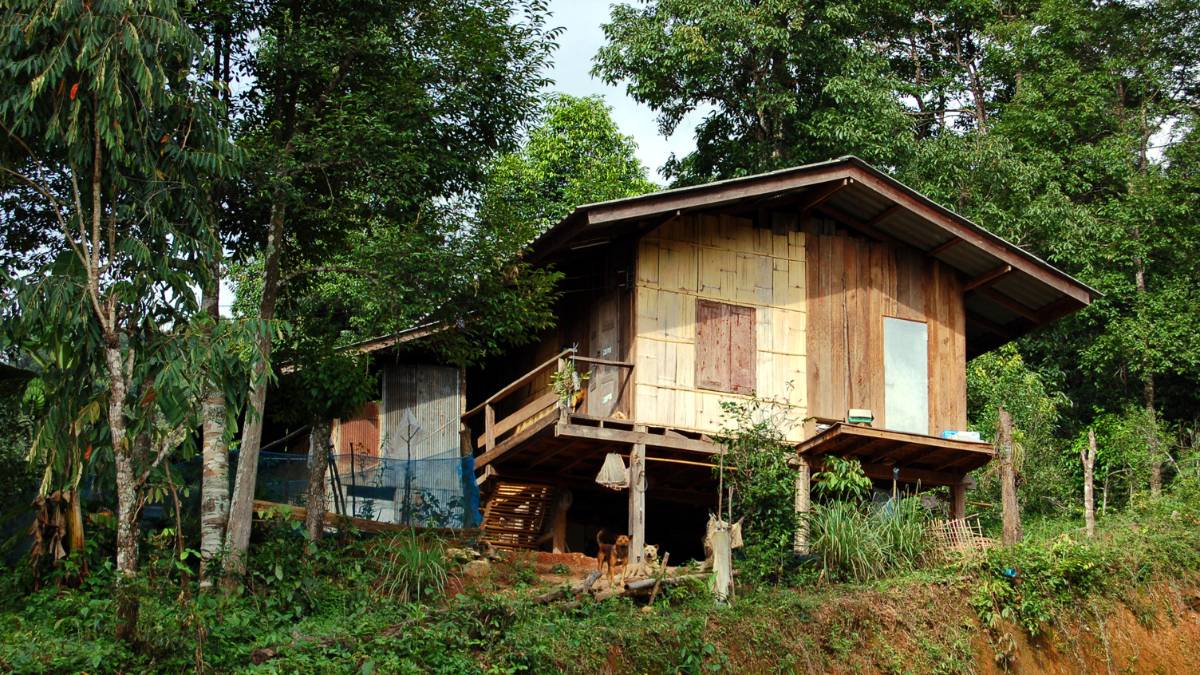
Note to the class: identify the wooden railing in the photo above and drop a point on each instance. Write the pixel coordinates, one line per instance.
(496, 430)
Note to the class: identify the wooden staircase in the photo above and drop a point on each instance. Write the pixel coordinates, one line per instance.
(515, 514)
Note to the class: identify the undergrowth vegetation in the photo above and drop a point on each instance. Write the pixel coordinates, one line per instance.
(338, 605)
(872, 595)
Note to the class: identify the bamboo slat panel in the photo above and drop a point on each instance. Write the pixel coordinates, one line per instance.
(727, 260)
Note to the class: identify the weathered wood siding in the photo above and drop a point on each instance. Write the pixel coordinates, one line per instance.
(852, 284)
(728, 260)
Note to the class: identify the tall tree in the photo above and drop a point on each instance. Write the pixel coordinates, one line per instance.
(1050, 123)
(362, 110)
(104, 122)
(575, 155)
(779, 79)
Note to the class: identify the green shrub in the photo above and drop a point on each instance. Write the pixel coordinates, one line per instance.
(763, 486)
(842, 479)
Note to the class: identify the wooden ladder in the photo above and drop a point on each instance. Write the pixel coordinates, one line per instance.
(515, 514)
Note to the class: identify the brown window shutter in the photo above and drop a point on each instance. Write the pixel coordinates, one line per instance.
(725, 347)
(742, 350)
(712, 345)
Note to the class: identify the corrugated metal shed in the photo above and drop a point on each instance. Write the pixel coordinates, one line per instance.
(432, 394)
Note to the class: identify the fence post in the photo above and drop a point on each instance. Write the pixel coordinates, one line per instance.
(353, 485)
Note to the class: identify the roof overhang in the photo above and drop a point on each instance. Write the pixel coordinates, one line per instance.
(399, 338)
(1009, 290)
(926, 459)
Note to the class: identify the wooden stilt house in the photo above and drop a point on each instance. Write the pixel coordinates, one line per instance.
(831, 289)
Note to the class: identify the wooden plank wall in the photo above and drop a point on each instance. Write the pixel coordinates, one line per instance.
(853, 283)
(725, 259)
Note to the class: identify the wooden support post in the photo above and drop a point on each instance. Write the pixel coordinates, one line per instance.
(803, 506)
(637, 503)
(558, 527)
(1011, 510)
(958, 500)
(489, 428)
(1088, 457)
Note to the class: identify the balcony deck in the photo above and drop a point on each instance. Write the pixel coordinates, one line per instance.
(927, 459)
(545, 439)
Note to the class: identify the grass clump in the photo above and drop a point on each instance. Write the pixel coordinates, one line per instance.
(412, 569)
(864, 542)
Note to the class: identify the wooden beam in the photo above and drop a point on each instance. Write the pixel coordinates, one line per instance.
(884, 215)
(944, 246)
(514, 420)
(489, 427)
(988, 278)
(515, 384)
(551, 454)
(843, 429)
(602, 362)
(513, 441)
(818, 196)
(631, 437)
(714, 194)
(960, 227)
(958, 500)
(854, 223)
(1058, 309)
(581, 483)
(1010, 304)
(907, 475)
(365, 524)
(990, 326)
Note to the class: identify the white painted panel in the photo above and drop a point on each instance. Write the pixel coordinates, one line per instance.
(906, 375)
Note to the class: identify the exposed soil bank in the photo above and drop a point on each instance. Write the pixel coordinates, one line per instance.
(1153, 632)
(931, 628)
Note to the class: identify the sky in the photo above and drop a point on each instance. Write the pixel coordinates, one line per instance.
(582, 20)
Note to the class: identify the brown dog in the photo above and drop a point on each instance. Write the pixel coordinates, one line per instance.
(612, 553)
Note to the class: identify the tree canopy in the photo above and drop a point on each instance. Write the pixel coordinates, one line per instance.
(1051, 123)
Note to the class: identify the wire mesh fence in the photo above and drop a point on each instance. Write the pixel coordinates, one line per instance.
(437, 491)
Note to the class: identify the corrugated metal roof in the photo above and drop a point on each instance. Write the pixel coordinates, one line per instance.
(1033, 284)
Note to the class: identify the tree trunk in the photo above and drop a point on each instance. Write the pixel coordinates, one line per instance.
(1011, 514)
(1088, 457)
(214, 489)
(319, 447)
(127, 502)
(1152, 446)
(75, 538)
(241, 508)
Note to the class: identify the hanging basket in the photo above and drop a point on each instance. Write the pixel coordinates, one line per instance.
(613, 475)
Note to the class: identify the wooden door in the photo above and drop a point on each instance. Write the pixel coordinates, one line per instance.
(604, 342)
